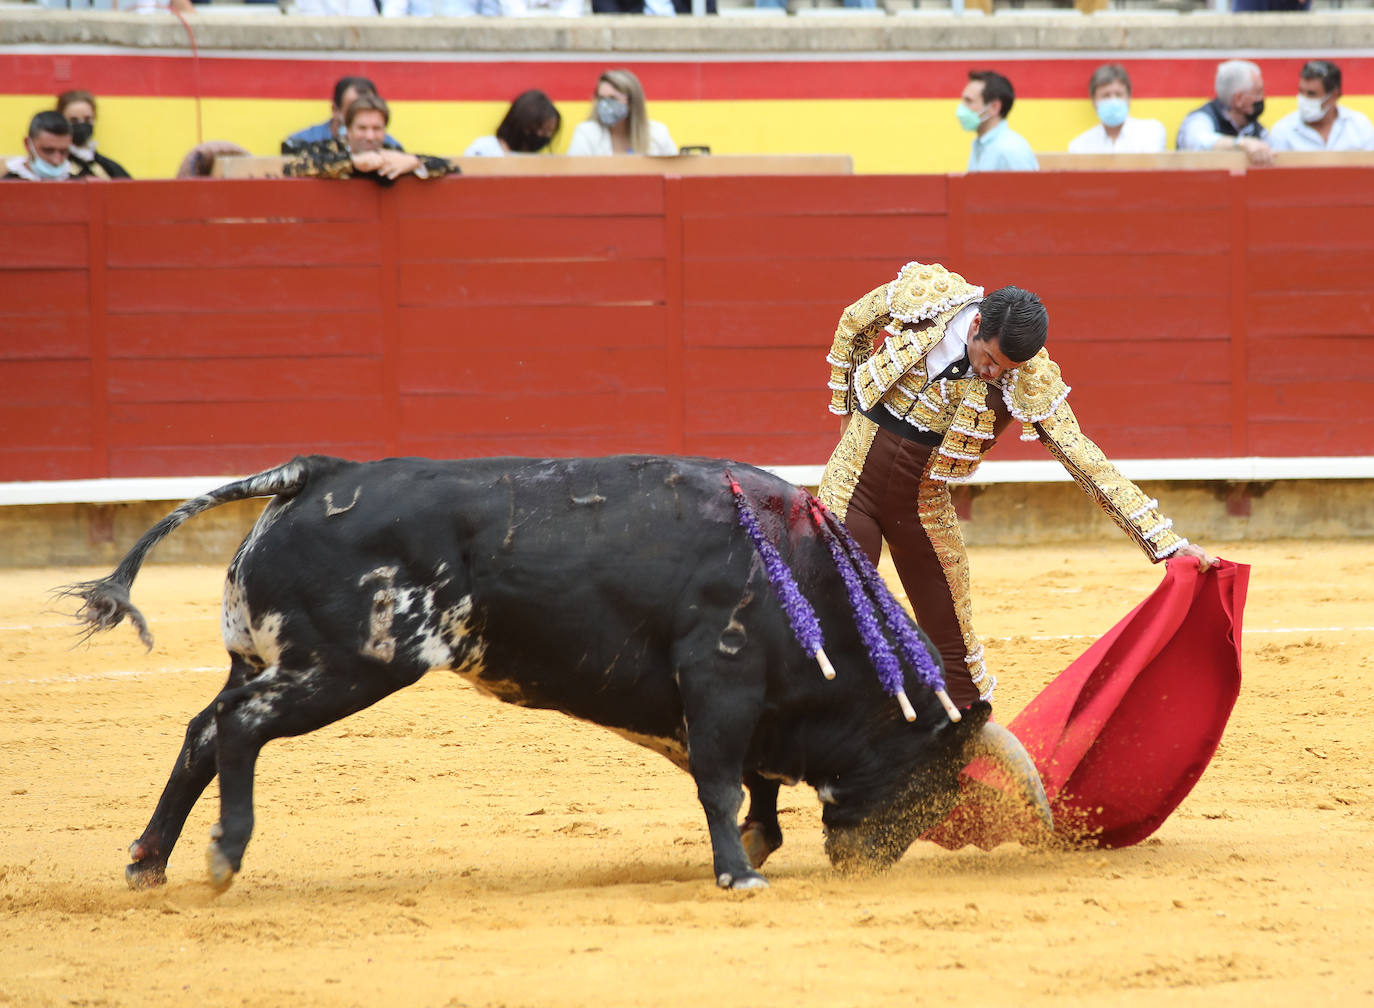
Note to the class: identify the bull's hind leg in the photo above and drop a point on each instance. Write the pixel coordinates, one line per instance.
(191, 775)
(278, 704)
(760, 832)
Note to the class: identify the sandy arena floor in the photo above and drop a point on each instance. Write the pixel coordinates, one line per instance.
(443, 849)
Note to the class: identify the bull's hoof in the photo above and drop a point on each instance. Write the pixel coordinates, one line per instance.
(217, 865)
(145, 876)
(751, 880)
(757, 843)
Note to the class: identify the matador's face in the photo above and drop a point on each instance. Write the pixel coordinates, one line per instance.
(985, 356)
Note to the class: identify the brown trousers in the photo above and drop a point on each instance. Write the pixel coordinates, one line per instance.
(878, 484)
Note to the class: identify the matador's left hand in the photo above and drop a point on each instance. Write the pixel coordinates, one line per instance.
(1204, 562)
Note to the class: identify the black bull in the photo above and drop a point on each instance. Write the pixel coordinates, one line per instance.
(622, 591)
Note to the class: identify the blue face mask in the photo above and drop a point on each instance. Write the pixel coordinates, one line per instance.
(968, 119)
(1112, 111)
(51, 172)
(609, 111)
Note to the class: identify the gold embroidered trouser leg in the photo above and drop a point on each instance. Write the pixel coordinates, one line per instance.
(879, 484)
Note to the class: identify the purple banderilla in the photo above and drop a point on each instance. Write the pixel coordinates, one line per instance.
(805, 626)
(851, 559)
(862, 584)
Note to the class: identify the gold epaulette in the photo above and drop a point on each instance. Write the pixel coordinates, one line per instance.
(922, 292)
(921, 302)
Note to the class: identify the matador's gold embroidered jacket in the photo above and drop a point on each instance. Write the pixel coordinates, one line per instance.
(912, 312)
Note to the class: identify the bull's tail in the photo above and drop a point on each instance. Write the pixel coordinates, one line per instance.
(105, 602)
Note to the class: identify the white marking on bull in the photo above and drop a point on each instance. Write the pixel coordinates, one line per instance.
(261, 640)
(330, 509)
(826, 793)
(450, 640)
(262, 706)
(267, 638)
(235, 619)
(380, 643)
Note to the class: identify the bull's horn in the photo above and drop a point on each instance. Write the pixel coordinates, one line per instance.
(1006, 751)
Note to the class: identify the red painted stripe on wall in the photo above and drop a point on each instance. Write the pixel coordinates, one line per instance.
(111, 74)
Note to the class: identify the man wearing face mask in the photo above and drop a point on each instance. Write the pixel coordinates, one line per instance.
(1117, 131)
(983, 109)
(47, 152)
(78, 108)
(1321, 123)
(1230, 121)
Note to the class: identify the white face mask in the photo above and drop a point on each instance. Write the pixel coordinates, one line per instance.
(1311, 110)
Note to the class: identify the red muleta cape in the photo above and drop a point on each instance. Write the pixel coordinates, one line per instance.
(1123, 734)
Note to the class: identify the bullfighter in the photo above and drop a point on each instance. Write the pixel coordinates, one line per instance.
(955, 367)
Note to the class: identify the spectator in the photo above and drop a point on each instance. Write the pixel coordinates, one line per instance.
(501, 8)
(365, 123)
(529, 126)
(337, 8)
(346, 91)
(1231, 119)
(47, 149)
(78, 108)
(1321, 123)
(984, 107)
(545, 8)
(782, 4)
(662, 8)
(469, 8)
(619, 122)
(1117, 131)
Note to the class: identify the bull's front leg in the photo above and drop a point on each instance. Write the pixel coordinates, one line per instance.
(720, 715)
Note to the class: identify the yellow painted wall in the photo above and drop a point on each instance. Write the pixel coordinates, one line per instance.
(150, 136)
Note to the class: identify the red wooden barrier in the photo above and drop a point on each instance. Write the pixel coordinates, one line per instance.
(204, 327)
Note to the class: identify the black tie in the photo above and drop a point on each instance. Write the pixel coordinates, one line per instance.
(959, 369)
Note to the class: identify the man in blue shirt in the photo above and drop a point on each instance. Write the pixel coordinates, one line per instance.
(346, 91)
(984, 107)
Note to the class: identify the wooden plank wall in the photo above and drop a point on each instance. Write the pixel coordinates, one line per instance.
(208, 327)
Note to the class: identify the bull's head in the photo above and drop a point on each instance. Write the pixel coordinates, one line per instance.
(882, 835)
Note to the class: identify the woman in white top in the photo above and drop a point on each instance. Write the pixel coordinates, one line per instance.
(530, 125)
(619, 123)
(1116, 132)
